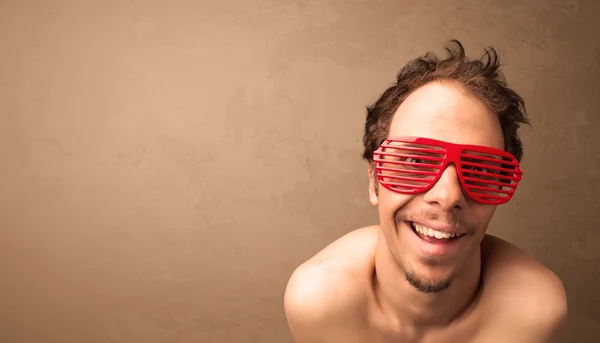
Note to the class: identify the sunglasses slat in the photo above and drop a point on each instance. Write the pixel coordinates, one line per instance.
(414, 148)
(497, 176)
(407, 187)
(407, 178)
(410, 164)
(494, 183)
(487, 166)
(489, 159)
(490, 189)
(424, 157)
(405, 162)
(404, 185)
(497, 198)
(417, 172)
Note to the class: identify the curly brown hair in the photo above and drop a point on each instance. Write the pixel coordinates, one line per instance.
(482, 77)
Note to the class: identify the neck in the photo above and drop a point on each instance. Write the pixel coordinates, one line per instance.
(404, 304)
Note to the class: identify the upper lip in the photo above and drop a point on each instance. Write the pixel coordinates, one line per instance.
(440, 227)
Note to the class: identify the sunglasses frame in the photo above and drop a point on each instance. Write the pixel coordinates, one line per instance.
(452, 153)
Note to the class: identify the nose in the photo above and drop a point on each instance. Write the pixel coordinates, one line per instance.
(447, 193)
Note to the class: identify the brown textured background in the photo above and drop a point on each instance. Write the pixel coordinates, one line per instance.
(166, 164)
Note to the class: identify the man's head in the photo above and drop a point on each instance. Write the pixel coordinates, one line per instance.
(454, 100)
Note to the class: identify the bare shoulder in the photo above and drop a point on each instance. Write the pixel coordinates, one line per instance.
(528, 299)
(323, 291)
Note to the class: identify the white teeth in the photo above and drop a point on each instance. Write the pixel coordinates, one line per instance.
(433, 233)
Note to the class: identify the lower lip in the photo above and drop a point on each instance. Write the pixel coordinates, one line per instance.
(432, 246)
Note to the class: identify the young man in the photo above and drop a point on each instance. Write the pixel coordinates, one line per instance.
(443, 153)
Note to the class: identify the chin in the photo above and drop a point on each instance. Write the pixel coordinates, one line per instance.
(427, 274)
(429, 283)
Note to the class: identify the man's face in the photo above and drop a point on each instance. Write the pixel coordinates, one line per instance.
(442, 111)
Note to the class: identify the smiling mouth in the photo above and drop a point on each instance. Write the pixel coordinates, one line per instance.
(432, 235)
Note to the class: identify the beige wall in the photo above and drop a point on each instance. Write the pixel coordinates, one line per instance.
(166, 164)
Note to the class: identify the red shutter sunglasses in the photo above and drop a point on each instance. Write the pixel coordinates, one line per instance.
(411, 165)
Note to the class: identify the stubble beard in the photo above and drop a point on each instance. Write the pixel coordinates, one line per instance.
(420, 282)
(427, 286)
(423, 283)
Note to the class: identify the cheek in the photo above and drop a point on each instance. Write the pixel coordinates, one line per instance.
(390, 204)
(484, 215)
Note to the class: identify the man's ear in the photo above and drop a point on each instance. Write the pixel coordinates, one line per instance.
(373, 185)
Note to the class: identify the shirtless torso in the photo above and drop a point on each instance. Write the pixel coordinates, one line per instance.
(331, 299)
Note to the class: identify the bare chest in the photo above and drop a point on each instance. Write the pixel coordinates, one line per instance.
(473, 328)
(450, 335)
(441, 336)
